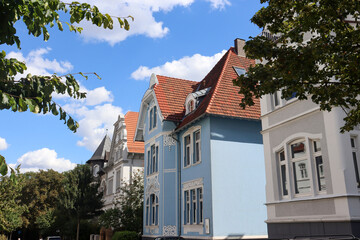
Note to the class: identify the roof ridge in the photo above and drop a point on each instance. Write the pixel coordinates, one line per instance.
(218, 80)
(178, 78)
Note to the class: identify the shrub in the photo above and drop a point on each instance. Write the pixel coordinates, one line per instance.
(3, 237)
(125, 235)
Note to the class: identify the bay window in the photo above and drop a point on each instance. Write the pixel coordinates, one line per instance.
(301, 162)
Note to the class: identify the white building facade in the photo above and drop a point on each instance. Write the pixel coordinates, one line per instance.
(126, 159)
(312, 170)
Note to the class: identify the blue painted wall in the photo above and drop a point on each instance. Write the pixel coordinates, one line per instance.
(167, 173)
(201, 170)
(238, 177)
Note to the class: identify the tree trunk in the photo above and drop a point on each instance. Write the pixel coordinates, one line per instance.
(10, 235)
(78, 229)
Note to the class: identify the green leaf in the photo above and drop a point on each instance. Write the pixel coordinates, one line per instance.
(3, 167)
(127, 26)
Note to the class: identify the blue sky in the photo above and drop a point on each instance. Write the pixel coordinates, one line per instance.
(177, 38)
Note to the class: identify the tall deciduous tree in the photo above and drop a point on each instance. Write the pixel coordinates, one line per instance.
(11, 208)
(325, 67)
(34, 92)
(81, 199)
(41, 192)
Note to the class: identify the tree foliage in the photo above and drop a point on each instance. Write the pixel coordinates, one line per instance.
(130, 203)
(312, 49)
(34, 92)
(40, 193)
(11, 208)
(81, 199)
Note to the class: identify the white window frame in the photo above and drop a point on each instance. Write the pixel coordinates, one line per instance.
(152, 168)
(316, 153)
(187, 151)
(310, 155)
(193, 206)
(110, 186)
(152, 117)
(191, 133)
(96, 169)
(197, 150)
(284, 184)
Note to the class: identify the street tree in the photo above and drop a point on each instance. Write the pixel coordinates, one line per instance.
(311, 49)
(11, 208)
(130, 203)
(41, 192)
(81, 199)
(34, 92)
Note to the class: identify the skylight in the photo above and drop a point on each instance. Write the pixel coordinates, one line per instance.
(240, 71)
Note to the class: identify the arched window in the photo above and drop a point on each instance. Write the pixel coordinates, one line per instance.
(301, 160)
(152, 210)
(96, 169)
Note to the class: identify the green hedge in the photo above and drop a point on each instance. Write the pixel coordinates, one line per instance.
(125, 235)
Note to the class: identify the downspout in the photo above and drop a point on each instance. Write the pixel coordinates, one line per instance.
(179, 178)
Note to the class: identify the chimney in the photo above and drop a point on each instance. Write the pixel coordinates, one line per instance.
(239, 47)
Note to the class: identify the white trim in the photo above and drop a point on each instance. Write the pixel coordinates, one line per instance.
(190, 132)
(312, 198)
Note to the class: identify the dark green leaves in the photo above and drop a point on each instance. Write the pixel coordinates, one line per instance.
(316, 54)
(3, 166)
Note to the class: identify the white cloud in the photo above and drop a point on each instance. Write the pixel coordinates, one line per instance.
(143, 12)
(44, 158)
(191, 68)
(94, 121)
(37, 64)
(219, 4)
(3, 144)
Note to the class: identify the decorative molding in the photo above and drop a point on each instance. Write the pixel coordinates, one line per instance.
(169, 141)
(152, 185)
(169, 230)
(193, 184)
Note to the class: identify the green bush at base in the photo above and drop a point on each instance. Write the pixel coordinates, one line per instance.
(125, 235)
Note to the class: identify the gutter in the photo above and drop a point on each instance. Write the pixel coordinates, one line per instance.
(179, 178)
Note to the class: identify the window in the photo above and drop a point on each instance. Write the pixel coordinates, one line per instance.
(284, 188)
(192, 147)
(276, 99)
(300, 161)
(118, 180)
(110, 186)
(187, 150)
(300, 167)
(152, 210)
(193, 206)
(153, 159)
(152, 118)
(187, 207)
(197, 146)
(96, 170)
(200, 195)
(353, 143)
(240, 71)
(317, 158)
(191, 106)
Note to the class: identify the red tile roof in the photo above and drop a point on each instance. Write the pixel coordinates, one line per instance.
(171, 94)
(223, 98)
(131, 119)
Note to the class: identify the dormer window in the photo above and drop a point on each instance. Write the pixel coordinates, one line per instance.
(194, 99)
(191, 106)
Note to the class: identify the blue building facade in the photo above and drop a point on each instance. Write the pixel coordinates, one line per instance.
(204, 161)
